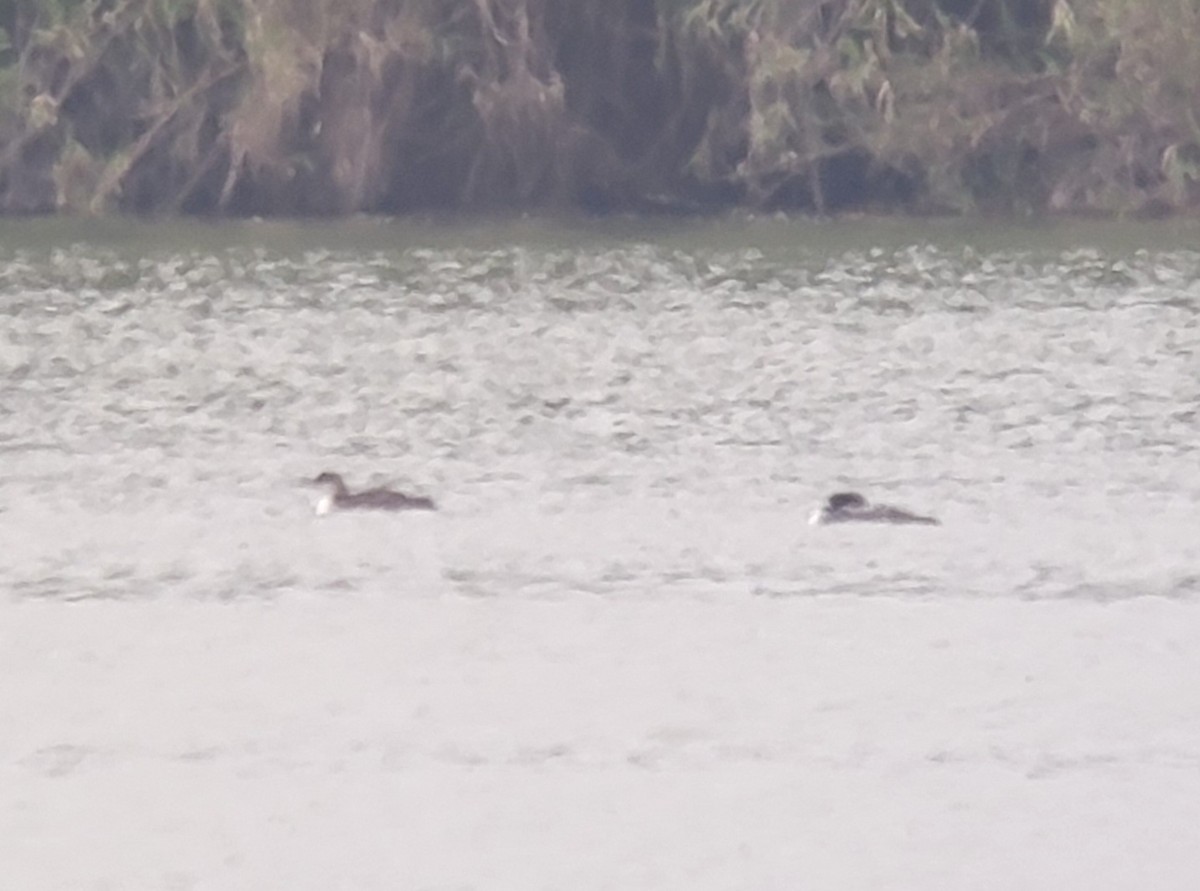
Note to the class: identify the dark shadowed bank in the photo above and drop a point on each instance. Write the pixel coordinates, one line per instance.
(329, 107)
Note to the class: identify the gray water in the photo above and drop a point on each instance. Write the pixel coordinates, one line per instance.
(626, 410)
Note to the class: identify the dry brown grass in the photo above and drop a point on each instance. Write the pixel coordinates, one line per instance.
(341, 106)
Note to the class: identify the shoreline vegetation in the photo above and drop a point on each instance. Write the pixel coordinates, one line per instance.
(333, 107)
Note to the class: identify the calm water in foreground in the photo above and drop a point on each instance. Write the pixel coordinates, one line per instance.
(618, 634)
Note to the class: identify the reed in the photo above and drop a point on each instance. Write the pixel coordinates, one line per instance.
(327, 107)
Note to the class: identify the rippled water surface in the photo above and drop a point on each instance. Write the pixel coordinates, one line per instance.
(617, 656)
(629, 411)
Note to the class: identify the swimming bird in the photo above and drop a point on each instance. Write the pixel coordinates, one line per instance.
(340, 498)
(850, 507)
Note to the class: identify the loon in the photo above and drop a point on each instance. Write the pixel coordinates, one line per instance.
(341, 498)
(850, 507)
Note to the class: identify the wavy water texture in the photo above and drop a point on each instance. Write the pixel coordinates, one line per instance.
(621, 417)
(618, 656)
